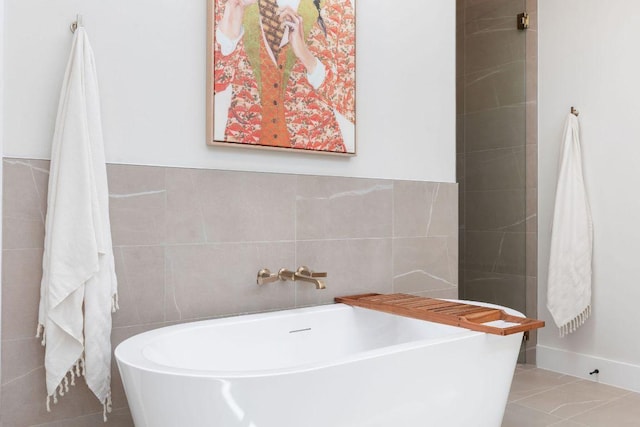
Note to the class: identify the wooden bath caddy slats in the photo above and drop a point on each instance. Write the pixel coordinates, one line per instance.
(451, 313)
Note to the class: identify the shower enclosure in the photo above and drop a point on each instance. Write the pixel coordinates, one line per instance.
(496, 154)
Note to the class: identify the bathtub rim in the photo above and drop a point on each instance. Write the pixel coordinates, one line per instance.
(130, 351)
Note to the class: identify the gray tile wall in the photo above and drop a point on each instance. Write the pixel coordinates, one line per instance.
(497, 154)
(188, 244)
(531, 156)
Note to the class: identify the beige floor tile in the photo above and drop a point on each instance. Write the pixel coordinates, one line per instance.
(525, 367)
(528, 382)
(520, 416)
(572, 399)
(622, 412)
(542, 398)
(568, 423)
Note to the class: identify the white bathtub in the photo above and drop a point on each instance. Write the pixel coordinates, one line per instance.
(327, 366)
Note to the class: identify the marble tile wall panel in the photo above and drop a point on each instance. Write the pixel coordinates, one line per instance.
(188, 244)
(19, 358)
(423, 264)
(220, 279)
(451, 293)
(462, 242)
(532, 311)
(495, 87)
(137, 200)
(339, 208)
(460, 19)
(185, 222)
(496, 251)
(495, 128)
(141, 277)
(532, 88)
(460, 132)
(502, 210)
(243, 207)
(23, 388)
(476, 10)
(462, 184)
(532, 171)
(497, 151)
(532, 200)
(460, 127)
(531, 248)
(23, 219)
(354, 266)
(531, 157)
(23, 400)
(443, 215)
(425, 243)
(499, 169)
(422, 209)
(498, 288)
(21, 275)
(412, 202)
(490, 42)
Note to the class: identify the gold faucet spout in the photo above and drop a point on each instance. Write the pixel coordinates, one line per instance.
(303, 274)
(318, 282)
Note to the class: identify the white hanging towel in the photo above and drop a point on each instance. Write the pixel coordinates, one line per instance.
(569, 282)
(79, 289)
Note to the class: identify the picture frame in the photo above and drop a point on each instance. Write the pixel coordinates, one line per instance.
(281, 75)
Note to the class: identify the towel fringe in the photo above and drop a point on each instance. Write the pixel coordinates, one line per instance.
(40, 333)
(114, 303)
(106, 407)
(63, 387)
(77, 368)
(573, 324)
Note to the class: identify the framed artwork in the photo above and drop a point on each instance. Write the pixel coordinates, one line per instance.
(281, 75)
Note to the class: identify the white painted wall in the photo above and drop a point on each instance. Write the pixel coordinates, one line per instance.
(151, 67)
(2, 26)
(588, 58)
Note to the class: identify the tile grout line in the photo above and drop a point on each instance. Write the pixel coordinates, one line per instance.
(393, 235)
(547, 389)
(565, 419)
(608, 401)
(598, 406)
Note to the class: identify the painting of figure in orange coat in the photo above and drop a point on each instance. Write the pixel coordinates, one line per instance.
(282, 74)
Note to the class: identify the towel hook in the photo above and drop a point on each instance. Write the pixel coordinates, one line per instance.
(77, 23)
(574, 111)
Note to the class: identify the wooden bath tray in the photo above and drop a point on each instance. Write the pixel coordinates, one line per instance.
(451, 313)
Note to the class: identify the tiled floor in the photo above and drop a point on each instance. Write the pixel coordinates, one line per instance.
(542, 398)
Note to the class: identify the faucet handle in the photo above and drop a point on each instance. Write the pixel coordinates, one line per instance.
(286, 274)
(265, 276)
(306, 271)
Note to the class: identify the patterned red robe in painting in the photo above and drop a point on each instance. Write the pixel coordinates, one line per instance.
(309, 120)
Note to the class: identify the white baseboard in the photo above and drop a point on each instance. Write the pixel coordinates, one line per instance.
(612, 372)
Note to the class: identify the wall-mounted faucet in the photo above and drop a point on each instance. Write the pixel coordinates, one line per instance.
(303, 273)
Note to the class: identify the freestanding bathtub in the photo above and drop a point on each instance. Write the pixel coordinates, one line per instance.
(326, 366)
